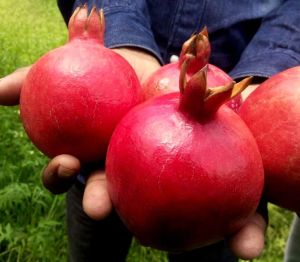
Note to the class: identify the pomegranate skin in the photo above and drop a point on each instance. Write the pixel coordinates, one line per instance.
(272, 112)
(165, 80)
(177, 183)
(74, 95)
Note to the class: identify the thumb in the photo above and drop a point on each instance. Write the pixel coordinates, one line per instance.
(10, 86)
(96, 201)
(248, 243)
(60, 173)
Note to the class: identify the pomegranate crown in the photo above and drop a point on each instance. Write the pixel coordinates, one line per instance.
(87, 26)
(201, 101)
(197, 47)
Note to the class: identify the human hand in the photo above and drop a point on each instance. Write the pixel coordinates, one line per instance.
(10, 86)
(59, 175)
(248, 242)
(142, 62)
(61, 172)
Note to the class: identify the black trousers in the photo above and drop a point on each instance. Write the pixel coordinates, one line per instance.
(109, 240)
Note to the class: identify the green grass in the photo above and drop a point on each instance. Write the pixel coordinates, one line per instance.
(32, 221)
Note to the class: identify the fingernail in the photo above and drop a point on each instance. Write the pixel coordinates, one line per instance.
(63, 171)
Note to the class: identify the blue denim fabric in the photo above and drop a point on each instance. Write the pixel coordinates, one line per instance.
(248, 37)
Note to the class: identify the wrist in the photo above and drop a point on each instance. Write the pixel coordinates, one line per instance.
(142, 61)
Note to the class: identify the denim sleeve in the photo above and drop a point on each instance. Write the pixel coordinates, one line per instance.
(275, 46)
(127, 23)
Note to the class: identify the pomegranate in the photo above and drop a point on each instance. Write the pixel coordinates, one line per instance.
(74, 95)
(272, 112)
(165, 79)
(182, 170)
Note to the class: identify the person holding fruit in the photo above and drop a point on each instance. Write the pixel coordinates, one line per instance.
(248, 38)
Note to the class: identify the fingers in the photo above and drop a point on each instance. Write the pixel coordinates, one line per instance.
(10, 87)
(96, 201)
(59, 176)
(248, 243)
(60, 173)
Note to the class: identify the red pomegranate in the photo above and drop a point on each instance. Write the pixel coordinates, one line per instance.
(165, 79)
(272, 112)
(182, 170)
(74, 95)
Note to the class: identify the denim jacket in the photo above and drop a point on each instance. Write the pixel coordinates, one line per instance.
(248, 37)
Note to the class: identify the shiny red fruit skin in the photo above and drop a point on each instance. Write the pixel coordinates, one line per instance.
(178, 183)
(74, 96)
(272, 112)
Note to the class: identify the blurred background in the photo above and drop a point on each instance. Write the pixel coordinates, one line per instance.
(32, 221)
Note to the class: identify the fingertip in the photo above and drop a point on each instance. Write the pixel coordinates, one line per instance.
(249, 242)
(59, 175)
(96, 201)
(67, 166)
(63, 166)
(250, 246)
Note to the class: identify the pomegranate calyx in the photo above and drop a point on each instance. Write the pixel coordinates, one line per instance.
(241, 86)
(198, 47)
(193, 92)
(87, 26)
(201, 101)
